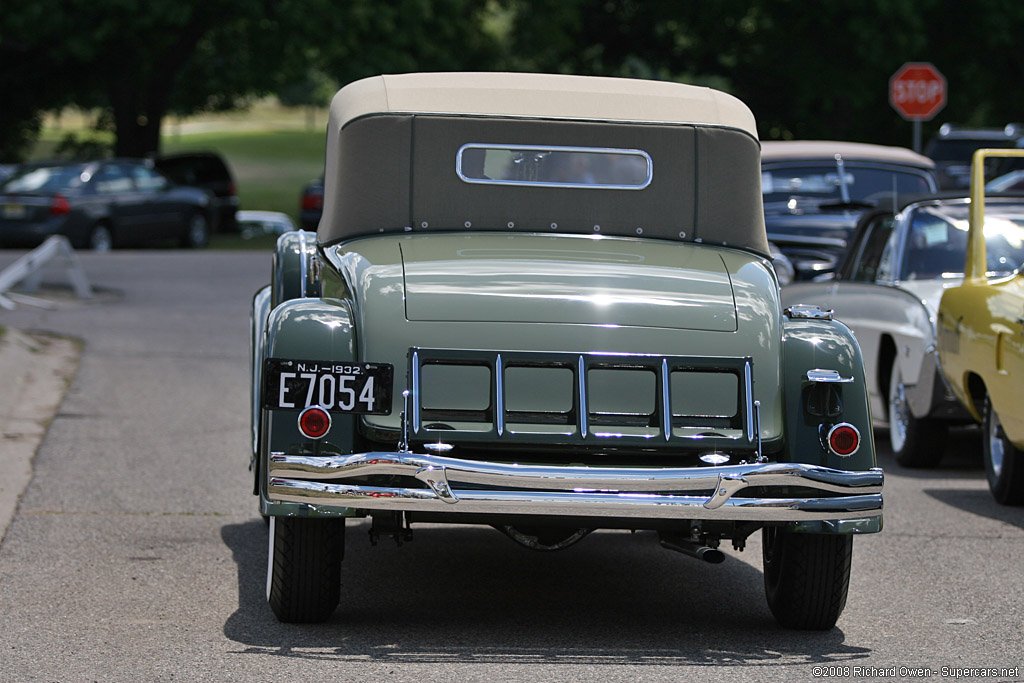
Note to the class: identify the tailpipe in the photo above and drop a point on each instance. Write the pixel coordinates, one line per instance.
(692, 548)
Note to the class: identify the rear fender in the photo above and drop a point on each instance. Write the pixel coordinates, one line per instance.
(821, 344)
(257, 337)
(304, 329)
(296, 267)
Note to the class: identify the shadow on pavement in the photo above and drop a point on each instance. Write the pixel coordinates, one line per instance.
(979, 502)
(459, 594)
(961, 457)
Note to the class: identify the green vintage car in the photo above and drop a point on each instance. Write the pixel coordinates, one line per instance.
(545, 304)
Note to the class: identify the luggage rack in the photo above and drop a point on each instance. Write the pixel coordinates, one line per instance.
(581, 424)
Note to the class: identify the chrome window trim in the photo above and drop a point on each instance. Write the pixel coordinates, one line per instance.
(554, 148)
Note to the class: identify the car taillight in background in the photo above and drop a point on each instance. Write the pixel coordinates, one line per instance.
(59, 206)
(312, 201)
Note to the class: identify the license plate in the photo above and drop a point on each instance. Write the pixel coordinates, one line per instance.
(340, 387)
(15, 211)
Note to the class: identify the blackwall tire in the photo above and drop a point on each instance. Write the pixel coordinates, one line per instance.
(304, 568)
(806, 577)
(1004, 463)
(197, 232)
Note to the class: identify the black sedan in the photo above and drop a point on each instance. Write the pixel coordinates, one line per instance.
(101, 204)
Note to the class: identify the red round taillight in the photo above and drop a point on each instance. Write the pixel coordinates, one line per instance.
(59, 206)
(843, 439)
(314, 422)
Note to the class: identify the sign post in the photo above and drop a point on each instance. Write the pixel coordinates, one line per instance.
(918, 92)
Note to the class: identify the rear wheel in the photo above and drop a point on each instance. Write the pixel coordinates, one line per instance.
(916, 442)
(1004, 463)
(304, 567)
(197, 233)
(806, 577)
(101, 239)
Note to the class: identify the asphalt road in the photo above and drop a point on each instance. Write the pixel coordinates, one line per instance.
(137, 553)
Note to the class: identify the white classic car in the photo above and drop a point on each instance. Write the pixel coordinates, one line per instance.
(887, 290)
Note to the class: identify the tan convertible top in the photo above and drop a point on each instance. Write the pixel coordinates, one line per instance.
(540, 96)
(394, 144)
(785, 150)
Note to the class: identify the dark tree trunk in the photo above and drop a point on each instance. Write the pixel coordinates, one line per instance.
(138, 134)
(141, 95)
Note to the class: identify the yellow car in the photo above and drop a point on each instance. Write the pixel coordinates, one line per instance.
(981, 336)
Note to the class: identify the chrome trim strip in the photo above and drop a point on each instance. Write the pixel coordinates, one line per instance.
(585, 503)
(757, 417)
(415, 382)
(666, 401)
(748, 383)
(584, 409)
(499, 395)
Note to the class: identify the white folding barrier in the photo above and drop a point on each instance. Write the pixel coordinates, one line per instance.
(28, 270)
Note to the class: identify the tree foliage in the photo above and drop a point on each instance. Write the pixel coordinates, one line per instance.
(808, 70)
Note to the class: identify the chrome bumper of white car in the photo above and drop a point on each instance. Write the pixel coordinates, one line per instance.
(438, 484)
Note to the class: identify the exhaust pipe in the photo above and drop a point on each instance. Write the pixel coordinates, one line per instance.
(693, 549)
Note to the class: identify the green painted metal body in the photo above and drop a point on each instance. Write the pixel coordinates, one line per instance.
(374, 298)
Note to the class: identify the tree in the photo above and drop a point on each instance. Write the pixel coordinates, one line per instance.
(806, 70)
(411, 35)
(144, 59)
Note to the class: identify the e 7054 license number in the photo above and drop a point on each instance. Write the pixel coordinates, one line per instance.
(342, 387)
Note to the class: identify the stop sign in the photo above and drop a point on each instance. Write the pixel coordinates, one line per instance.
(917, 91)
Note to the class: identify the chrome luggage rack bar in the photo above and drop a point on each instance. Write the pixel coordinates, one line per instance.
(740, 431)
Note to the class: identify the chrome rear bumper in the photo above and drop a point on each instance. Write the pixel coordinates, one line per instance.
(441, 484)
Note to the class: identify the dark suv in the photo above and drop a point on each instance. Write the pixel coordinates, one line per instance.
(210, 172)
(952, 147)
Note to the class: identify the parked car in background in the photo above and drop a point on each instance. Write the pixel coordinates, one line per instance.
(101, 204)
(544, 303)
(1008, 182)
(311, 204)
(7, 170)
(888, 290)
(981, 332)
(209, 171)
(257, 223)
(951, 149)
(815, 190)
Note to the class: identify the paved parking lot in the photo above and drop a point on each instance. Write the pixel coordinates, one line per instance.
(136, 552)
